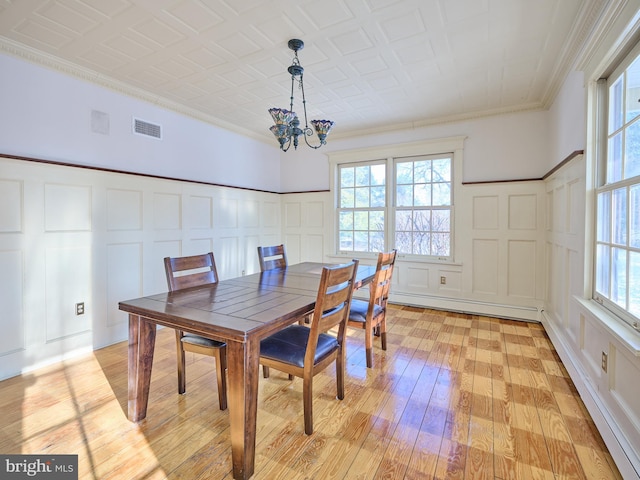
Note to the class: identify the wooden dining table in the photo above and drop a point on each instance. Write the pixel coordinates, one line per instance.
(240, 312)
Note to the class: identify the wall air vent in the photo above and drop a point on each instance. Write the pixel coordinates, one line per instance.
(148, 129)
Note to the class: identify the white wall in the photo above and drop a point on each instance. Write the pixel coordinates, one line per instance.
(567, 120)
(502, 147)
(47, 114)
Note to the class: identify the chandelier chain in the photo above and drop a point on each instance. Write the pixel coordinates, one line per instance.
(287, 124)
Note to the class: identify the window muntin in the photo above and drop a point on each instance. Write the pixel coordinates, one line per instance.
(617, 259)
(423, 206)
(404, 203)
(362, 207)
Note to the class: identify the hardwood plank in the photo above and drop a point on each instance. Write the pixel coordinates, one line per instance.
(455, 396)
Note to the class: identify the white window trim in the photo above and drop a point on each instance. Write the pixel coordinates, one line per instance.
(454, 145)
(597, 129)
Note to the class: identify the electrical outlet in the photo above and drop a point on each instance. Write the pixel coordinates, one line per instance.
(604, 362)
(80, 308)
(443, 280)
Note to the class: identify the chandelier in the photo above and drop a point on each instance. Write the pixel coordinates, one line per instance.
(287, 125)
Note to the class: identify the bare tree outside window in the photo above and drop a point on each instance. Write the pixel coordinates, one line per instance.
(417, 201)
(423, 206)
(362, 208)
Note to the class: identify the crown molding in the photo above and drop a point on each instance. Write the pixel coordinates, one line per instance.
(583, 27)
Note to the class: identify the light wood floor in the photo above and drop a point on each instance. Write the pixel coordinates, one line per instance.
(454, 396)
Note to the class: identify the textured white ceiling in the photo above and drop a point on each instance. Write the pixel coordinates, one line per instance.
(370, 65)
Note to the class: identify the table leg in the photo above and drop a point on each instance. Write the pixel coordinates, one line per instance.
(142, 342)
(243, 364)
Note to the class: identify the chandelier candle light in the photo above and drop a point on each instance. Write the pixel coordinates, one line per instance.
(287, 125)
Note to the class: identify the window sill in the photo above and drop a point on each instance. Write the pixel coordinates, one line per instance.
(400, 258)
(614, 325)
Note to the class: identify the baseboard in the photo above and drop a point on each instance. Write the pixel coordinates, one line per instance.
(624, 455)
(515, 312)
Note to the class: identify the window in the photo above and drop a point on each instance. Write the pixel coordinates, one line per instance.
(362, 207)
(402, 201)
(617, 259)
(423, 206)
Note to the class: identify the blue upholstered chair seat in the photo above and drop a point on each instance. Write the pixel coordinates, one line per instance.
(198, 340)
(289, 345)
(358, 312)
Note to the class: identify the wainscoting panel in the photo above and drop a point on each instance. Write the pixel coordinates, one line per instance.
(226, 212)
(293, 215)
(124, 209)
(196, 246)
(523, 213)
(250, 213)
(575, 204)
(314, 248)
(293, 244)
(69, 267)
(522, 261)
(11, 295)
(622, 367)
(12, 206)
(157, 282)
(559, 213)
(485, 212)
(71, 235)
(124, 278)
(74, 201)
(267, 240)
(315, 215)
(485, 266)
(227, 256)
(452, 281)
(307, 227)
(499, 248)
(251, 244)
(270, 216)
(601, 353)
(167, 208)
(417, 278)
(593, 344)
(199, 212)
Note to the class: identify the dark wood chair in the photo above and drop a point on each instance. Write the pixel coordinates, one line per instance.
(272, 257)
(305, 351)
(371, 316)
(187, 272)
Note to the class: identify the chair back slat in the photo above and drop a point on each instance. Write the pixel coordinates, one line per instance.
(381, 284)
(191, 271)
(332, 304)
(272, 257)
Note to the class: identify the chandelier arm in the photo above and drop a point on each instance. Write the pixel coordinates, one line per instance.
(309, 145)
(288, 143)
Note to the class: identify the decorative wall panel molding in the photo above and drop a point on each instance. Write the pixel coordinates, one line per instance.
(199, 212)
(74, 201)
(12, 295)
(167, 209)
(12, 203)
(124, 209)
